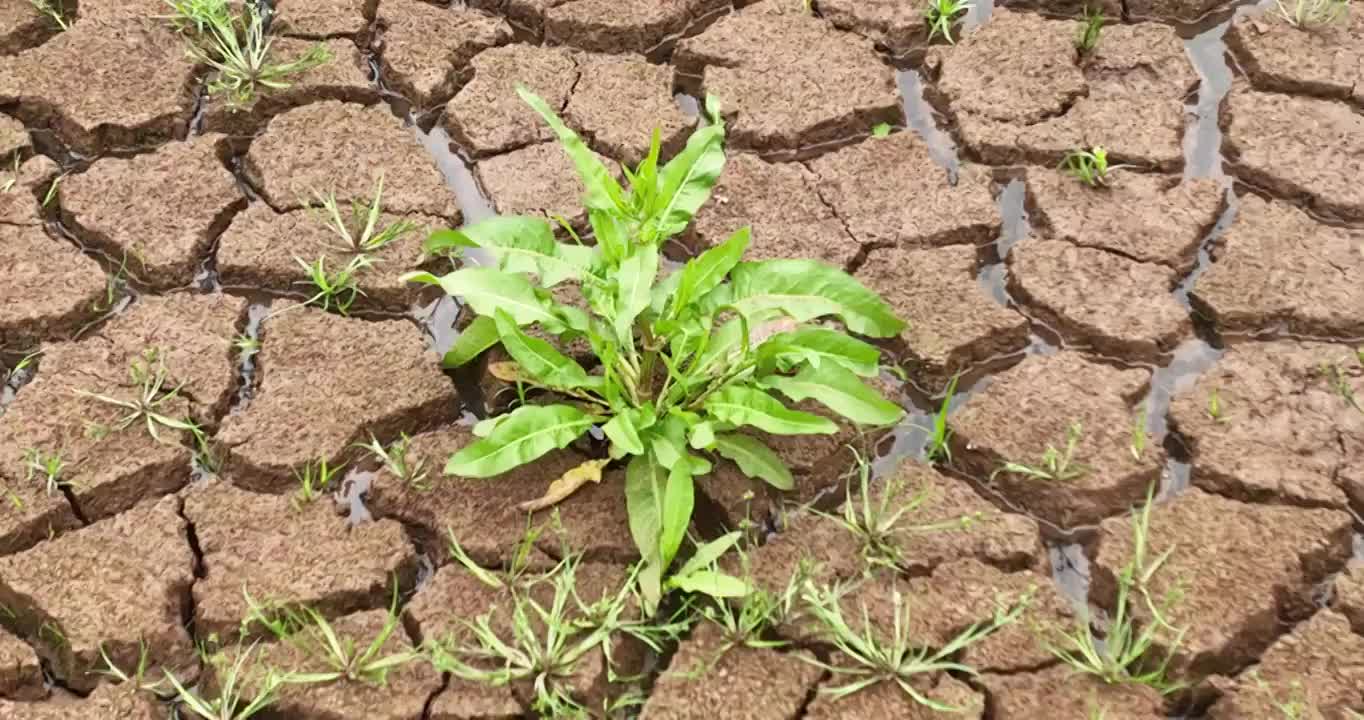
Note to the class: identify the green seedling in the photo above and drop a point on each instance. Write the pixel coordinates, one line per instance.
(1089, 166)
(49, 467)
(1124, 653)
(941, 15)
(871, 655)
(939, 446)
(236, 48)
(1056, 465)
(55, 10)
(1339, 383)
(337, 289)
(750, 621)
(684, 359)
(1313, 14)
(1215, 406)
(1138, 443)
(114, 284)
(395, 460)
(1088, 37)
(52, 191)
(245, 690)
(150, 375)
(314, 479)
(246, 345)
(311, 634)
(360, 234)
(880, 130)
(137, 681)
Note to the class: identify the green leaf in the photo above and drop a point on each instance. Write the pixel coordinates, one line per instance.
(817, 345)
(685, 183)
(839, 390)
(622, 431)
(529, 432)
(601, 191)
(480, 335)
(664, 291)
(706, 271)
(483, 428)
(741, 405)
(880, 130)
(707, 554)
(488, 289)
(636, 280)
(644, 489)
(678, 498)
(538, 358)
(755, 459)
(702, 435)
(807, 289)
(709, 582)
(609, 233)
(519, 244)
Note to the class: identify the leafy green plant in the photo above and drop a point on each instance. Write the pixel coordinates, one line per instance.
(244, 690)
(685, 360)
(314, 479)
(150, 375)
(360, 234)
(873, 654)
(1313, 14)
(309, 632)
(880, 130)
(939, 447)
(1090, 167)
(941, 15)
(1056, 464)
(338, 289)
(395, 460)
(1088, 37)
(50, 467)
(1124, 653)
(54, 10)
(237, 49)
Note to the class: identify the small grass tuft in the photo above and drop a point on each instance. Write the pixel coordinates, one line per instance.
(396, 461)
(1089, 166)
(941, 15)
(55, 10)
(137, 680)
(1139, 437)
(50, 467)
(150, 375)
(235, 681)
(310, 633)
(1313, 14)
(1339, 383)
(314, 479)
(1214, 409)
(1056, 464)
(880, 130)
(360, 234)
(1088, 38)
(338, 289)
(939, 448)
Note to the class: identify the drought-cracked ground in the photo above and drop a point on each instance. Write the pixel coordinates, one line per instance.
(1196, 326)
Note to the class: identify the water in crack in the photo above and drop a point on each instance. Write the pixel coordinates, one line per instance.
(1224, 221)
(977, 14)
(1203, 139)
(1013, 215)
(690, 106)
(1190, 360)
(1070, 571)
(246, 369)
(350, 496)
(919, 116)
(473, 204)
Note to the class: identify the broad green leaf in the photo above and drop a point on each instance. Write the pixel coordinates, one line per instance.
(488, 289)
(839, 390)
(678, 498)
(664, 291)
(636, 281)
(622, 431)
(519, 244)
(441, 242)
(807, 289)
(668, 451)
(706, 271)
(609, 233)
(707, 554)
(817, 345)
(483, 428)
(742, 405)
(480, 335)
(709, 582)
(530, 431)
(686, 181)
(645, 481)
(702, 435)
(538, 358)
(601, 191)
(755, 459)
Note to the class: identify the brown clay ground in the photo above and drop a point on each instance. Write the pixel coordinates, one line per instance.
(176, 223)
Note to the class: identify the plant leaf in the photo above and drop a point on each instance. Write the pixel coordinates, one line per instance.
(678, 498)
(636, 281)
(530, 431)
(601, 191)
(709, 582)
(705, 272)
(817, 345)
(487, 289)
(685, 183)
(702, 435)
(622, 431)
(742, 405)
(839, 390)
(707, 554)
(644, 488)
(807, 289)
(567, 484)
(755, 459)
(480, 335)
(537, 358)
(519, 244)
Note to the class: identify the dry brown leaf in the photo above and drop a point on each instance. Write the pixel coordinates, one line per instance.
(567, 484)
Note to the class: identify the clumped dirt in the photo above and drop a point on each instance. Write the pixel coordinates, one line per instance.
(1325, 61)
(53, 286)
(325, 18)
(155, 214)
(426, 49)
(261, 249)
(487, 117)
(22, 26)
(805, 85)
(301, 413)
(887, 700)
(28, 183)
(1276, 266)
(1059, 691)
(21, 677)
(1269, 148)
(345, 149)
(619, 101)
(1276, 435)
(1273, 555)
(277, 550)
(139, 67)
(1033, 406)
(107, 701)
(114, 584)
(534, 180)
(13, 137)
(629, 26)
(1349, 590)
(896, 25)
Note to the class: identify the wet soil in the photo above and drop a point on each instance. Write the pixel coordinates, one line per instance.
(426, 49)
(1325, 62)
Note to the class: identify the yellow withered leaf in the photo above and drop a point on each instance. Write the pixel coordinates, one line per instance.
(506, 371)
(567, 484)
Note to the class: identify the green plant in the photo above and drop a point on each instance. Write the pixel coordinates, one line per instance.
(150, 375)
(360, 234)
(1088, 37)
(137, 681)
(1089, 166)
(1138, 444)
(1312, 14)
(56, 11)
(1339, 383)
(880, 130)
(311, 634)
(685, 360)
(1124, 653)
(939, 446)
(337, 289)
(1293, 708)
(52, 190)
(51, 467)
(872, 655)
(941, 15)
(314, 479)
(246, 345)
(395, 461)
(236, 48)
(1215, 406)
(1056, 464)
(244, 690)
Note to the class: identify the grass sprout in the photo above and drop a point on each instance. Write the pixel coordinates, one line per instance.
(939, 448)
(1056, 464)
(150, 375)
(941, 15)
(1124, 654)
(360, 233)
(396, 461)
(1313, 14)
(314, 479)
(232, 701)
(54, 10)
(875, 657)
(336, 289)
(1214, 409)
(308, 631)
(1089, 166)
(50, 467)
(1138, 444)
(1339, 383)
(138, 679)
(1088, 38)
(880, 130)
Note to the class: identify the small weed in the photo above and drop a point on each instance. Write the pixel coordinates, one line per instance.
(308, 631)
(54, 10)
(1089, 166)
(880, 130)
(360, 234)
(1313, 14)
(939, 446)
(113, 288)
(1215, 406)
(873, 657)
(1292, 708)
(1056, 464)
(941, 15)
(52, 191)
(149, 373)
(137, 681)
(337, 289)
(396, 461)
(314, 479)
(246, 345)
(1339, 383)
(1138, 444)
(234, 680)
(50, 467)
(1122, 655)
(1088, 38)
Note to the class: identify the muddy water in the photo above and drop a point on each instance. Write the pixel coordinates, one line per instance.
(1070, 570)
(246, 368)
(1204, 260)
(350, 496)
(1203, 139)
(920, 118)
